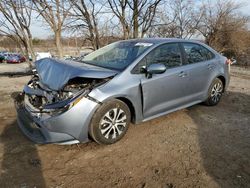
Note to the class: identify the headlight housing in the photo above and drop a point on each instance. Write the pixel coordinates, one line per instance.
(62, 106)
(56, 108)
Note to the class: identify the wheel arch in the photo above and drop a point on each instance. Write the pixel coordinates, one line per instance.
(130, 106)
(223, 79)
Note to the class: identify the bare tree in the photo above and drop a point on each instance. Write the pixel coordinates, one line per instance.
(16, 21)
(135, 16)
(219, 19)
(54, 13)
(225, 28)
(239, 47)
(179, 18)
(146, 18)
(143, 13)
(85, 17)
(163, 26)
(187, 17)
(119, 8)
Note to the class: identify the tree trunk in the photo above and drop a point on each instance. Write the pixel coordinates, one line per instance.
(125, 29)
(92, 37)
(124, 24)
(58, 41)
(97, 37)
(97, 41)
(135, 19)
(143, 33)
(26, 49)
(30, 49)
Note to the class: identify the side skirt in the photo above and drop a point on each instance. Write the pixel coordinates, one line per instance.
(173, 110)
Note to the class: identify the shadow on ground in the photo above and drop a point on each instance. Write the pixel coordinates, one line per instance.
(225, 140)
(21, 165)
(18, 168)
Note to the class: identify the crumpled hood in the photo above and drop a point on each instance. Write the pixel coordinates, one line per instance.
(55, 73)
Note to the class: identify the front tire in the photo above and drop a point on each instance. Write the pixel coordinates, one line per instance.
(110, 122)
(214, 93)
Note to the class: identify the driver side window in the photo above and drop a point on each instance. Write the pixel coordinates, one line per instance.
(167, 54)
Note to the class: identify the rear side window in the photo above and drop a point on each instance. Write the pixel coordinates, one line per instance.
(196, 53)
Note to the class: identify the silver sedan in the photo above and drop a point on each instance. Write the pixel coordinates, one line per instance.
(98, 97)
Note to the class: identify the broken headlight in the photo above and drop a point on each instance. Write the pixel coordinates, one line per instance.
(62, 106)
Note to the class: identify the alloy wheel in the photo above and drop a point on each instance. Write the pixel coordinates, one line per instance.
(216, 92)
(113, 123)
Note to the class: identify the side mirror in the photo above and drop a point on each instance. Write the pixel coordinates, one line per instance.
(234, 61)
(155, 69)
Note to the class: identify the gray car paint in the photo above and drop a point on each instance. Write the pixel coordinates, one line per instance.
(174, 89)
(56, 73)
(146, 95)
(71, 125)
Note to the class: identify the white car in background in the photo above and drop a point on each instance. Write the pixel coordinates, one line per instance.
(41, 55)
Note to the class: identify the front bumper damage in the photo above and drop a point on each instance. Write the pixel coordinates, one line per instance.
(55, 106)
(68, 127)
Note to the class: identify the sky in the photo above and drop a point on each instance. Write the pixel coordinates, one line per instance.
(245, 8)
(40, 30)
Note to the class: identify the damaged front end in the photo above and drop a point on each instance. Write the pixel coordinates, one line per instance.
(40, 99)
(49, 115)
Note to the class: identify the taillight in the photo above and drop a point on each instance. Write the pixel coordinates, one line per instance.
(228, 62)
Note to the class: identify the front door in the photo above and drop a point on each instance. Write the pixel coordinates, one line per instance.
(164, 91)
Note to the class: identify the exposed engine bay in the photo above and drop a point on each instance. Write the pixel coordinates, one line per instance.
(56, 84)
(40, 97)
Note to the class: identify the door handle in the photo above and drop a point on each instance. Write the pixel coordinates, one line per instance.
(182, 74)
(210, 67)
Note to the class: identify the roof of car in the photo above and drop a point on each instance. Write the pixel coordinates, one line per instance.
(161, 40)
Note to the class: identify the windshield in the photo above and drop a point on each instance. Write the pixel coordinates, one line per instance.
(117, 55)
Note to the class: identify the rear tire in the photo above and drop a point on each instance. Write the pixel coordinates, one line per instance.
(215, 92)
(110, 122)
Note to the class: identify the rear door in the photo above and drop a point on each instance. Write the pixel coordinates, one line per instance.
(200, 63)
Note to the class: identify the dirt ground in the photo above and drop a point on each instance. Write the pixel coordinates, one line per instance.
(196, 147)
